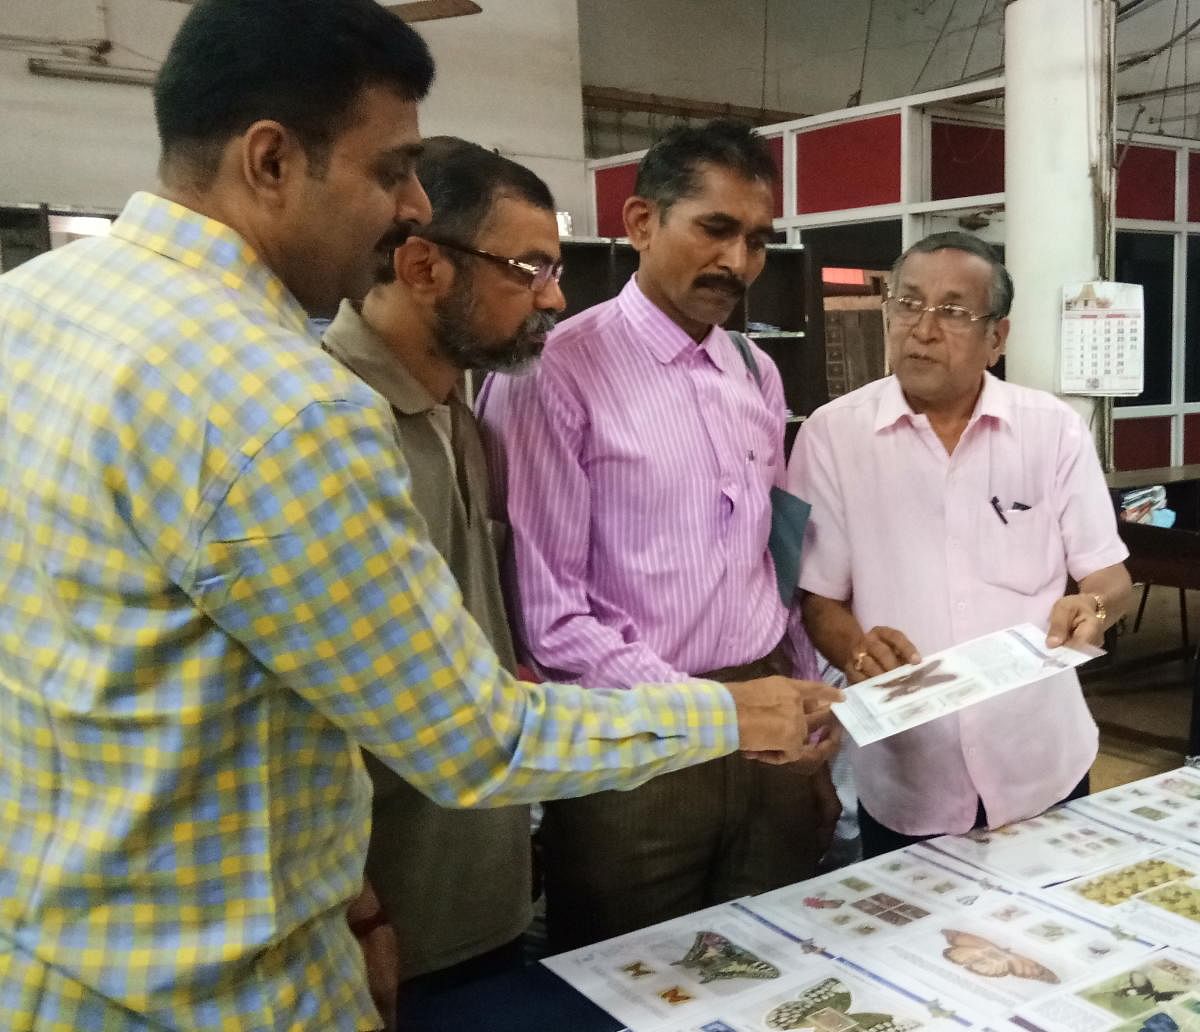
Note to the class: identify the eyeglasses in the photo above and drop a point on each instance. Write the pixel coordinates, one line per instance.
(907, 310)
(540, 273)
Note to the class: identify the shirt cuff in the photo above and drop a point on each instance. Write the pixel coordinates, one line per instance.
(701, 713)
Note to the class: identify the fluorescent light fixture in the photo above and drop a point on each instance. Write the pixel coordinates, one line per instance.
(80, 225)
(422, 10)
(87, 71)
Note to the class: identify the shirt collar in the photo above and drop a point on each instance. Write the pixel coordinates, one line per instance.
(199, 242)
(358, 347)
(993, 402)
(665, 339)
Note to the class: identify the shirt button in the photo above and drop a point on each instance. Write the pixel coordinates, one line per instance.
(954, 542)
(960, 606)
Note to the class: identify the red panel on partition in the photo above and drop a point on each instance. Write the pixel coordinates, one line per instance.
(1146, 183)
(614, 186)
(776, 145)
(848, 165)
(1142, 443)
(1191, 438)
(965, 160)
(1193, 187)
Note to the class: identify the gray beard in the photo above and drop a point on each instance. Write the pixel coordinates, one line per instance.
(455, 341)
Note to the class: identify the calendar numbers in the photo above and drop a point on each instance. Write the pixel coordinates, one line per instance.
(1103, 325)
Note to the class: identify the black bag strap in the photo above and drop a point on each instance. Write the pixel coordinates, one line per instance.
(742, 343)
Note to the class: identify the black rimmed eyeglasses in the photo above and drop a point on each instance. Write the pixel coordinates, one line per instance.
(540, 273)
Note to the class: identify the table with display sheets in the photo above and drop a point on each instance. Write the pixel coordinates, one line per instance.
(1085, 919)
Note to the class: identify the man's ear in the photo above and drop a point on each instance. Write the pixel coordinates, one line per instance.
(997, 344)
(640, 217)
(422, 267)
(271, 159)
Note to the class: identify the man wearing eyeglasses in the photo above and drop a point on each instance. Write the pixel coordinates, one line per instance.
(948, 504)
(478, 289)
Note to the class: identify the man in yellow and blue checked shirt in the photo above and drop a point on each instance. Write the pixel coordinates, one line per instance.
(214, 586)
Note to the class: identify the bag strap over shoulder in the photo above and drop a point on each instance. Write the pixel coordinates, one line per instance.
(742, 343)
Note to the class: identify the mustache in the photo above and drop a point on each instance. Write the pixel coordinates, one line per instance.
(396, 236)
(730, 284)
(539, 324)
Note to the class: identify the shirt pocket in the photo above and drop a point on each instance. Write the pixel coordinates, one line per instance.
(1023, 555)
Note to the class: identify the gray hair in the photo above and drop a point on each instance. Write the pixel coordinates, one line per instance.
(1000, 293)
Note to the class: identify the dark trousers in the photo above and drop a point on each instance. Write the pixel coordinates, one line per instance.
(619, 861)
(420, 997)
(879, 838)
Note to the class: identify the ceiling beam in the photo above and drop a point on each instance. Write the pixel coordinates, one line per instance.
(607, 98)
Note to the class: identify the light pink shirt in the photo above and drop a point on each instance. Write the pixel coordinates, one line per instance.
(909, 535)
(638, 466)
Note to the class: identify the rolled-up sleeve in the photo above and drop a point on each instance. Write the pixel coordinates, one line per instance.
(316, 560)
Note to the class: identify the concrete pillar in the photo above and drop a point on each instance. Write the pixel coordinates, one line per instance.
(1058, 176)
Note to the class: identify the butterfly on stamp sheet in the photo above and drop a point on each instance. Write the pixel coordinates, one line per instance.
(983, 957)
(714, 957)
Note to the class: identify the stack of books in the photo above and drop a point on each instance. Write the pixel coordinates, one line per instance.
(1146, 505)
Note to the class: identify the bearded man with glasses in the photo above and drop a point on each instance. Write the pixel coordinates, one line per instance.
(454, 884)
(947, 504)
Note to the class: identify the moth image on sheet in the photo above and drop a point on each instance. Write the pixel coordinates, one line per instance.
(714, 957)
(983, 957)
(924, 676)
(826, 1008)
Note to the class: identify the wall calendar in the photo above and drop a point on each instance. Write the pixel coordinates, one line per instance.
(1103, 339)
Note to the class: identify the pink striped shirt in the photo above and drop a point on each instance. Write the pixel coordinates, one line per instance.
(636, 467)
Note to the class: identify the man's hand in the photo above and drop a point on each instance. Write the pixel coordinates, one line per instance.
(879, 650)
(1074, 621)
(381, 952)
(781, 720)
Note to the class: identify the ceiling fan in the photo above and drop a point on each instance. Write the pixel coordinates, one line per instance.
(99, 70)
(429, 10)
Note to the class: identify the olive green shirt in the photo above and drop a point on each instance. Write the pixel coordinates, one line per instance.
(455, 883)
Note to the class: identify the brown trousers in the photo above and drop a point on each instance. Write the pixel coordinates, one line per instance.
(619, 861)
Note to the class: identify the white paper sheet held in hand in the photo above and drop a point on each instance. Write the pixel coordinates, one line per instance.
(951, 680)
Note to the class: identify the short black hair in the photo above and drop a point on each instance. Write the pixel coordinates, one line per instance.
(464, 181)
(1000, 293)
(303, 63)
(670, 169)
